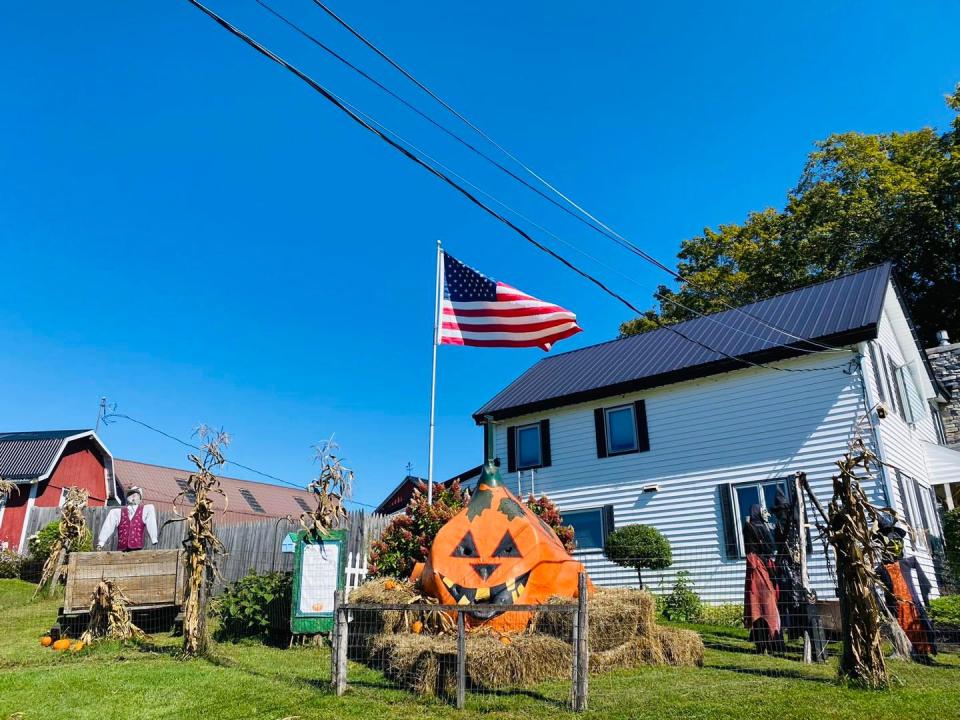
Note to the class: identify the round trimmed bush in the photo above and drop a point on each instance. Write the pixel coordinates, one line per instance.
(640, 547)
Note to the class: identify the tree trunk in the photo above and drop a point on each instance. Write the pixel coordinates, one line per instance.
(639, 579)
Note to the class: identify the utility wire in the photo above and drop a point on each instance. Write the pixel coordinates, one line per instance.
(342, 106)
(599, 225)
(108, 417)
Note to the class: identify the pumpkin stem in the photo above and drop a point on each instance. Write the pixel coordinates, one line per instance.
(490, 476)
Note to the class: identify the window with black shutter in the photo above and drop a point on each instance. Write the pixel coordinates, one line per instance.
(896, 391)
(621, 429)
(528, 446)
(591, 526)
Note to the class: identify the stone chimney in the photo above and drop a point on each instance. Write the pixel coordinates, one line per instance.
(945, 360)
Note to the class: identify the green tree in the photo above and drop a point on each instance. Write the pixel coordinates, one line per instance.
(861, 199)
(639, 547)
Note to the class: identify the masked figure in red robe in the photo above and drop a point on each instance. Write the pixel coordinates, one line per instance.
(760, 614)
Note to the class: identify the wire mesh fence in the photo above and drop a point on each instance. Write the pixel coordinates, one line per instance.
(702, 613)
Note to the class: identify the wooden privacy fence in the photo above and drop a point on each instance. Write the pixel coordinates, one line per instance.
(249, 544)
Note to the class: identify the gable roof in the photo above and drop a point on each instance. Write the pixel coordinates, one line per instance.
(162, 484)
(844, 310)
(31, 456)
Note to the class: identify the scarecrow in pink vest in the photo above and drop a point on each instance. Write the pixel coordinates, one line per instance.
(132, 522)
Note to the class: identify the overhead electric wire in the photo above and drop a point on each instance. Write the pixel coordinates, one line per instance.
(342, 106)
(599, 225)
(107, 417)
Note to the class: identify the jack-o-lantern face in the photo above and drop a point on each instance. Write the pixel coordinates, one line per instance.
(496, 552)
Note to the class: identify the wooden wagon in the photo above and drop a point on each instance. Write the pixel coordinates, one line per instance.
(152, 580)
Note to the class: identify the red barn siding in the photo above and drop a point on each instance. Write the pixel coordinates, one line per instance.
(13, 514)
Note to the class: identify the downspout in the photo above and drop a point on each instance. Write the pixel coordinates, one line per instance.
(869, 403)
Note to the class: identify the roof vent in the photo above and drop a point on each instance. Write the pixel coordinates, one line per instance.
(942, 337)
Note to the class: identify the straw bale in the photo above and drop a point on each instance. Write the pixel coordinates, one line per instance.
(615, 616)
(681, 648)
(528, 658)
(424, 664)
(640, 651)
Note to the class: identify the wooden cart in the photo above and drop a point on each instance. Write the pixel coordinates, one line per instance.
(152, 580)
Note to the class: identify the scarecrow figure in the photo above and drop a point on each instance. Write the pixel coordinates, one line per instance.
(760, 614)
(896, 573)
(131, 522)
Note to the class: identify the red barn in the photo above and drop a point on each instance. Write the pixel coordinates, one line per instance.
(43, 465)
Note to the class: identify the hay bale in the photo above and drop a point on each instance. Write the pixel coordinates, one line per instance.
(637, 652)
(424, 664)
(528, 658)
(381, 622)
(615, 616)
(680, 648)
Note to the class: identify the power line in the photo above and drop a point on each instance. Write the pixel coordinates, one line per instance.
(108, 417)
(599, 225)
(372, 127)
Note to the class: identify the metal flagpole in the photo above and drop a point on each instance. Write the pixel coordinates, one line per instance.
(433, 377)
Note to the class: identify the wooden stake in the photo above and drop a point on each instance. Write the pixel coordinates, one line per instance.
(461, 661)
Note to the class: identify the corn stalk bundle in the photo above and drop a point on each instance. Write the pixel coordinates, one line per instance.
(331, 486)
(110, 615)
(7, 488)
(201, 545)
(849, 531)
(72, 528)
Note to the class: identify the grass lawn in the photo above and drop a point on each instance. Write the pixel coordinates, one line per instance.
(253, 681)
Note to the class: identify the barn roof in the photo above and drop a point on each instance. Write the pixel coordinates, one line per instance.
(161, 485)
(841, 311)
(29, 456)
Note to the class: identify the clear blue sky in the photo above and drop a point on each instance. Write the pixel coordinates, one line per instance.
(190, 231)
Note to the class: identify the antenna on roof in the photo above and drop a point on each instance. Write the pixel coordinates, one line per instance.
(409, 468)
(101, 412)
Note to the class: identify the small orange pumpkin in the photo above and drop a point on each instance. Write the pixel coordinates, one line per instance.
(61, 645)
(46, 641)
(505, 639)
(417, 627)
(77, 647)
(498, 553)
(390, 584)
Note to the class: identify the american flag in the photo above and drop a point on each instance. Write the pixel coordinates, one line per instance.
(481, 312)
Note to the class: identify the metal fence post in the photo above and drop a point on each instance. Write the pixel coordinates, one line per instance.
(582, 648)
(461, 661)
(342, 643)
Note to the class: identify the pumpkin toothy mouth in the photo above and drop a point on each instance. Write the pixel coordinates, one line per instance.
(506, 593)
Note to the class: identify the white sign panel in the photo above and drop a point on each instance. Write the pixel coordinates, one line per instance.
(318, 577)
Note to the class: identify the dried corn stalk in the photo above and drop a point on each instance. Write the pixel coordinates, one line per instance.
(332, 485)
(110, 615)
(72, 528)
(849, 531)
(200, 543)
(7, 488)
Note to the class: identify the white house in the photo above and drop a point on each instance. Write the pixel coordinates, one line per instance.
(684, 429)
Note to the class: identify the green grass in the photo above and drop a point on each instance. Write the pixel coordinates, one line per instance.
(254, 681)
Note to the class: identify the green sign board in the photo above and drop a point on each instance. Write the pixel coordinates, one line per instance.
(319, 569)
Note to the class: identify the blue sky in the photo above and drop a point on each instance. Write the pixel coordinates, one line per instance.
(190, 231)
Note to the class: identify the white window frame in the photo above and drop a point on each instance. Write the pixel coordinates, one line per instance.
(609, 435)
(604, 530)
(738, 515)
(519, 431)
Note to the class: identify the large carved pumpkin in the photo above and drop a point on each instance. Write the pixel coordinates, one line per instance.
(497, 552)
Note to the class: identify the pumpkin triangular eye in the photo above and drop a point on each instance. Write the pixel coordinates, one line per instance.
(466, 547)
(507, 547)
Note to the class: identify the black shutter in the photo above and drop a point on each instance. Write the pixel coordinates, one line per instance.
(640, 413)
(512, 449)
(731, 547)
(601, 432)
(877, 373)
(608, 521)
(544, 443)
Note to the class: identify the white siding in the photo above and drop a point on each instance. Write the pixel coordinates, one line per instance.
(902, 443)
(748, 425)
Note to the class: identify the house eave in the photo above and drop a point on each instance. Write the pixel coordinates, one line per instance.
(849, 337)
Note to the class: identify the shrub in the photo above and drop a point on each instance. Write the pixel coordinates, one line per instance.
(682, 604)
(726, 615)
(951, 539)
(254, 606)
(639, 547)
(10, 564)
(946, 609)
(407, 539)
(40, 543)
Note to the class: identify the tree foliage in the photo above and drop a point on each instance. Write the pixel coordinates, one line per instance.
(861, 199)
(639, 547)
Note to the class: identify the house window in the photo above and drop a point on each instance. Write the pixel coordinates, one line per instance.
(938, 423)
(949, 495)
(912, 510)
(590, 526)
(621, 429)
(896, 391)
(528, 446)
(877, 374)
(735, 503)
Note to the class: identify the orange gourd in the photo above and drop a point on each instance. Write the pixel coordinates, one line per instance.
(498, 553)
(417, 627)
(61, 644)
(390, 585)
(46, 641)
(77, 646)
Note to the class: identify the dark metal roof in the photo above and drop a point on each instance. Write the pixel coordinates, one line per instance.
(840, 311)
(28, 455)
